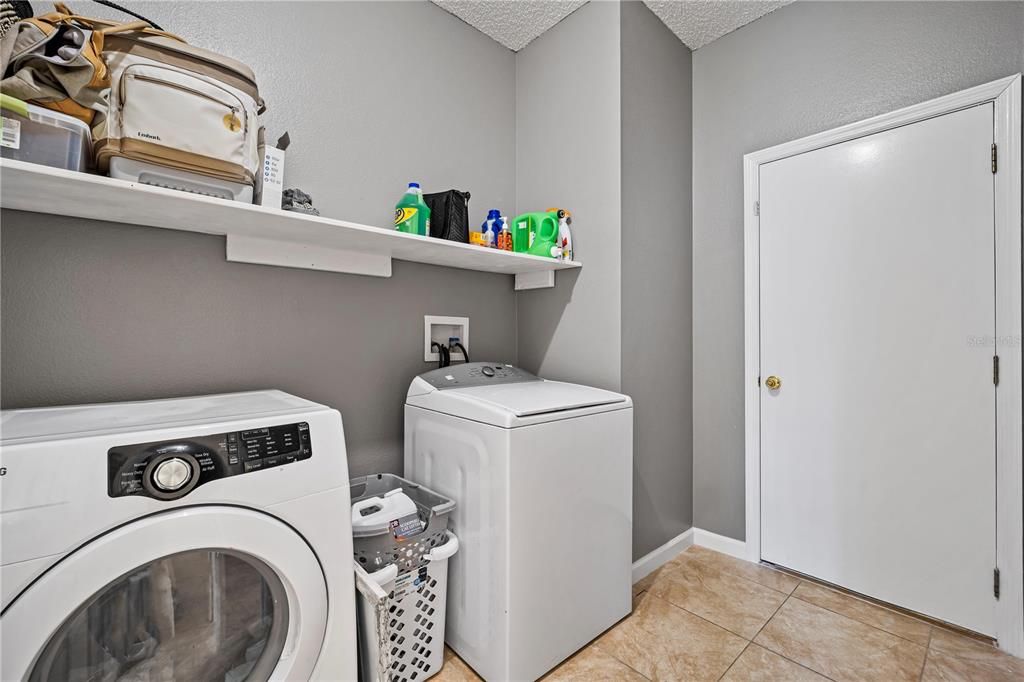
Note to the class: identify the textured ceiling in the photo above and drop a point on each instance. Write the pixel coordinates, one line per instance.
(514, 23)
(698, 22)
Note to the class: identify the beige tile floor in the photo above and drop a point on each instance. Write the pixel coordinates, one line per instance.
(708, 616)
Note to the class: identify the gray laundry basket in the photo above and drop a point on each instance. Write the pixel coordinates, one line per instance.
(402, 584)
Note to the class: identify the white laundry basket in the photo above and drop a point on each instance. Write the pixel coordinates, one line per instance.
(401, 618)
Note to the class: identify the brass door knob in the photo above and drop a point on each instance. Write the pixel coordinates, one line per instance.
(773, 383)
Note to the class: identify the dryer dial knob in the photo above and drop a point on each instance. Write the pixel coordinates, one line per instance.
(172, 474)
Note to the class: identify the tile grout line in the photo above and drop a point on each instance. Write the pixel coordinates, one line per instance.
(800, 580)
(789, 595)
(706, 620)
(927, 650)
(885, 606)
(896, 612)
(779, 653)
(595, 642)
(697, 615)
(856, 620)
(606, 653)
(743, 577)
(624, 663)
(709, 622)
(774, 613)
(717, 625)
(722, 676)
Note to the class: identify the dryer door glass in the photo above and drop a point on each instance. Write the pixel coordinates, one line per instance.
(195, 615)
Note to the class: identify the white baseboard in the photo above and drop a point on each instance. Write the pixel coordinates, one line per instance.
(721, 543)
(660, 556)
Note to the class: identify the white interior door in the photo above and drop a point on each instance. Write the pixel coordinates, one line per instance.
(877, 294)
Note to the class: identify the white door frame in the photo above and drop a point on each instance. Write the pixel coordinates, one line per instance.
(1005, 94)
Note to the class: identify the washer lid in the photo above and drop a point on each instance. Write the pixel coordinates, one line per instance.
(520, 404)
(541, 397)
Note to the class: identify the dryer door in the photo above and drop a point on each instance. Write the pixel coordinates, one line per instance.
(200, 593)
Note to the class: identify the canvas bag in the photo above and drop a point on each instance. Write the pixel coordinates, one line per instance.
(72, 83)
(148, 95)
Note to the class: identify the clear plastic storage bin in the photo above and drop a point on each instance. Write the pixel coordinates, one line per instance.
(38, 135)
(402, 579)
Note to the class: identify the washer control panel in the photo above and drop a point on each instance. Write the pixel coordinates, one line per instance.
(167, 470)
(469, 374)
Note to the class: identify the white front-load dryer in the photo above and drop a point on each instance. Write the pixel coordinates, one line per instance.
(542, 477)
(190, 539)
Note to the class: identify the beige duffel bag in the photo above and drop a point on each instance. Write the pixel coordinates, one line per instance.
(177, 105)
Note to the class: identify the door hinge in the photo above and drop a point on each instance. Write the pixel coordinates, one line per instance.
(995, 582)
(757, 207)
(995, 370)
(759, 381)
(995, 157)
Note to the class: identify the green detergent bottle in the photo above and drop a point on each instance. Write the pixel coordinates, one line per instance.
(535, 233)
(412, 215)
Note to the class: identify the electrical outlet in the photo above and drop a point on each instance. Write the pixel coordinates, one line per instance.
(440, 328)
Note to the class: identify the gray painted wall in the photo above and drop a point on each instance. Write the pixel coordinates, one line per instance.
(97, 311)
(805, 68)
(607, 91)
(374, 95)
(656, 274)
(568, 109)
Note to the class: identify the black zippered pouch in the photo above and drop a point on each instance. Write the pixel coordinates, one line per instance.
(449, 215)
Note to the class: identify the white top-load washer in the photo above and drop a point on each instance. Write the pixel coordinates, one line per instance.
(541, 474)
(189, 539)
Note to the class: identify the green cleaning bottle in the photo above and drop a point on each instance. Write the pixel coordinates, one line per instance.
(412, 215)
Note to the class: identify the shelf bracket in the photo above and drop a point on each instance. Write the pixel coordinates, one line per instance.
(243, 249)
(535, 280)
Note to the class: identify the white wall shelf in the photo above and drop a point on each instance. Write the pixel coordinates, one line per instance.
(256, 234)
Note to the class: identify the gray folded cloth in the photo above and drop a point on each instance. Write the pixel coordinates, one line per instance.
(296, 200)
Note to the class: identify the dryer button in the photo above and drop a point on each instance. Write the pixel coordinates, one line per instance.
(171, 474)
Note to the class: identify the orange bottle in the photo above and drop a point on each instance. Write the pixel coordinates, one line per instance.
(504, 240)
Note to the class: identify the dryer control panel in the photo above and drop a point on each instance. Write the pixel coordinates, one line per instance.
(170, 469)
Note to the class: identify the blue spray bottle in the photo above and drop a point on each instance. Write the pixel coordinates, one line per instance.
(491, 227)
